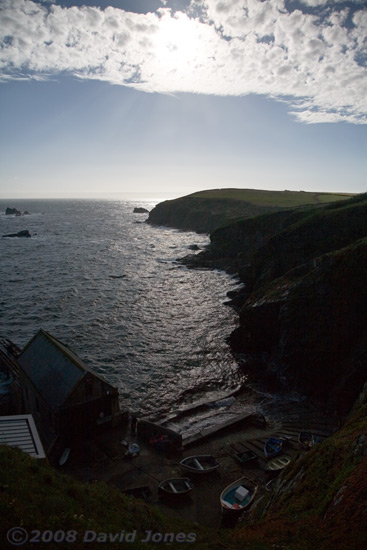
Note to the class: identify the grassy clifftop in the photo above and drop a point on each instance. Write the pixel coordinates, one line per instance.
(279, 199)
(205, 211)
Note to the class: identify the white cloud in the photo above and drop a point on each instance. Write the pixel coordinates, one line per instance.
(316, 3)
(234, 47)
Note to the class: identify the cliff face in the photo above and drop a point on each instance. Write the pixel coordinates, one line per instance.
(202, 214)
(309, 327)
(303, 317)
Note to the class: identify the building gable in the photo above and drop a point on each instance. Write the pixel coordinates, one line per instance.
(53, 369)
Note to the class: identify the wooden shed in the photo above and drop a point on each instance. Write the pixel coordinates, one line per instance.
(68, 400)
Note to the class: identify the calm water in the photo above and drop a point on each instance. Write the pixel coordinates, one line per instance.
(110, 287)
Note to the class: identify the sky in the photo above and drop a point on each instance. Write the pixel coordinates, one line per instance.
(162, 98)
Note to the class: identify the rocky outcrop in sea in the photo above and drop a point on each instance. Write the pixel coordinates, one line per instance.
(15, 212)
(21, 234)
(140, 210)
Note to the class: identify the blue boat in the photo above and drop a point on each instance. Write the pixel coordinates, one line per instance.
(273, 447)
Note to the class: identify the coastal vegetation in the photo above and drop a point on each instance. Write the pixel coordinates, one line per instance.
(263, 197)
(207, 210)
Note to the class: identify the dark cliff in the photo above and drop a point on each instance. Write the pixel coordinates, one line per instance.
(202, 215)
(309, 327)
(303, 308)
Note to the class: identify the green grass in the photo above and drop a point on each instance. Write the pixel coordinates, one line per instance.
(279, 199)
(36, 497)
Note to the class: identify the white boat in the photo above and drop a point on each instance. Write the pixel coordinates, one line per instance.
(199, 464)
(239, 495)
(277, 463)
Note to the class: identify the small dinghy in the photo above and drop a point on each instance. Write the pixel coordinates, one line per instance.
(199, 464)
(176, 487)
(273, 447)
(278, 463)
(238, 496)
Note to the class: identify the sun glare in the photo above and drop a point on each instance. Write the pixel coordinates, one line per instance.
(177, 42)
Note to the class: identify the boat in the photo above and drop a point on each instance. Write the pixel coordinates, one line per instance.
(199, 464)
(307, 440)
(273, 447)
(238, 496)
(277, 463)
(64, 457)
(176, 486)
(246, 457)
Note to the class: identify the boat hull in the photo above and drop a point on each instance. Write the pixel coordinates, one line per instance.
(277, 464)
(199, 464)
(273, 447)
(245, 488)
(176, 487)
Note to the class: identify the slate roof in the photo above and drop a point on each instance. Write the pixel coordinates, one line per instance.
(20, 431)
(53, 368)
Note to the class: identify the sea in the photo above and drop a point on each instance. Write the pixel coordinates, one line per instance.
(111, 287)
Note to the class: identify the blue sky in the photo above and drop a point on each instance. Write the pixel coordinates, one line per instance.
(151, 98)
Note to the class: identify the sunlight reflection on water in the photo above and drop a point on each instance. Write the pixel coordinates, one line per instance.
(112, 290)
